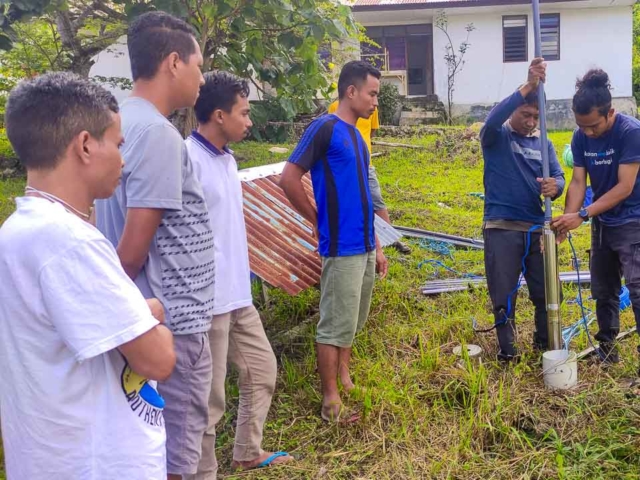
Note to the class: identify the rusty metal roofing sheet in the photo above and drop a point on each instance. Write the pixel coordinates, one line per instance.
(282, 249)
(281, 243)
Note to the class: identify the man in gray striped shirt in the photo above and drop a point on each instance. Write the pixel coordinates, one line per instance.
(159, 222)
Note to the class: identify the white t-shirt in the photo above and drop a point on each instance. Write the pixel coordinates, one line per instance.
(70, 406)
(218, 174)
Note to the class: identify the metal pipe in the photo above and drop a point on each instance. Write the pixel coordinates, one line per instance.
(434, 287)
(552, 284)
(542, 107)
(552, 288)
(620, 336)
(437, 236)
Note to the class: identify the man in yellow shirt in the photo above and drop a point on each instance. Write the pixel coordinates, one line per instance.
(367, 128)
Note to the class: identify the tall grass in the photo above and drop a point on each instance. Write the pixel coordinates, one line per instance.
(427, 415)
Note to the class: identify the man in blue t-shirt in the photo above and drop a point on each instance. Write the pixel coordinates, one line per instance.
(335, 153)
(606, 147)
(513, 208)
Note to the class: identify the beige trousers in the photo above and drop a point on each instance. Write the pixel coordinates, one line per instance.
(239, 338)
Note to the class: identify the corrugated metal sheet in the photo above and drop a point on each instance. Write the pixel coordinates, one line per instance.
(281, 243)
(282, 249)
(385, 232)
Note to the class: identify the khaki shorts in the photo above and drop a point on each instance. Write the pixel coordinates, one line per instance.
(186, 395)
(376, 191)
(346, 287)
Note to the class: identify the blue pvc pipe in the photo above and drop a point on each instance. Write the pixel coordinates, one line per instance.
(537, 37)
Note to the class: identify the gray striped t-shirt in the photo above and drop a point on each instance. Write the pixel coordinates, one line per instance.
(158, 174)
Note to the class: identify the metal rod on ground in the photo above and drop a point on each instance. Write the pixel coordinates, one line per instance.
(620, 336)
(399, 145)
(446, 285)
(552, 284)
(452, 239)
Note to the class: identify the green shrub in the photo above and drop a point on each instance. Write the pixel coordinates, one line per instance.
(3, 103)
(6, 151)
(388, 102)
(270, 110)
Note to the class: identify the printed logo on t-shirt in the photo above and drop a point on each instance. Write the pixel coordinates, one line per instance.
(600, 158)
(143, 399)
(528, 153)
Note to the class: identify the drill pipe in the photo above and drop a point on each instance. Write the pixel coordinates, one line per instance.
(552, 284)
(552, 288)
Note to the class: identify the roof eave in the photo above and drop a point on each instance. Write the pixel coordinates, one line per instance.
(450, 4)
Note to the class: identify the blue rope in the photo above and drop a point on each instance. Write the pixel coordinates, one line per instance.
(568, 333)
(523, 268)
(439, 247)
(439, 264)
(523, 271)
(584, 321)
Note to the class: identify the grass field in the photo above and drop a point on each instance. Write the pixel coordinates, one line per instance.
(426, 417)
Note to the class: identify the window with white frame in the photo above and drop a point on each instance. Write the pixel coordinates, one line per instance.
(515, 38)
(550, 33)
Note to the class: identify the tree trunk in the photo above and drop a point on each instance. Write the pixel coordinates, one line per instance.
(67, 33)
(184, 120)
(81, 63)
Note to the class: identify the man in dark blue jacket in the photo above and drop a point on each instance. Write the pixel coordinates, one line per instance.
(513, 211)
(606, 148)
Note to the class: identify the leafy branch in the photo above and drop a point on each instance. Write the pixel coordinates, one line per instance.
(454, 57)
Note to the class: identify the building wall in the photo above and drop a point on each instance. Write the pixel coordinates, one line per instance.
(591, 37)
(114, 62)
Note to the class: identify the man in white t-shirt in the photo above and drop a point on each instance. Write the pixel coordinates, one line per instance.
(80, 349)
(236, 331)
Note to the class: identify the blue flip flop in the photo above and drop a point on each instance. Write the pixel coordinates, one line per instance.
(267, 462)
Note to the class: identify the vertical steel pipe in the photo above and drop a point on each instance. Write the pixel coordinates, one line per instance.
(552, 282)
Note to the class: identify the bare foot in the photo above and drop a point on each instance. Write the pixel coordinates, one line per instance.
(347, 384)
(335, 412)
(257, 461)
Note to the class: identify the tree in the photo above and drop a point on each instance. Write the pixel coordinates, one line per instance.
(37, 49)
(389, 101)
(454, 58)
(275, 43)
(83, 28)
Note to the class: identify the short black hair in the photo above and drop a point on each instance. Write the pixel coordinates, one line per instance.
(532, 99)
(46, 113)
(355, 73)
(152, 37)
(593, 91)
(219, 92)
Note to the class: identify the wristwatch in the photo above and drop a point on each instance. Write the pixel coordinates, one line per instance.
(584, 214)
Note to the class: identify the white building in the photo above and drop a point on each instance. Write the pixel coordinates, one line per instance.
(577, 35)
(113, 64)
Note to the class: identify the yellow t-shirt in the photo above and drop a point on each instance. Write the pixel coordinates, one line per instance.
(364, 125)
